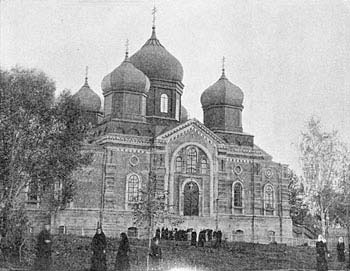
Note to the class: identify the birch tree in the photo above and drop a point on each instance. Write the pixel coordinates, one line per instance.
(320, 156)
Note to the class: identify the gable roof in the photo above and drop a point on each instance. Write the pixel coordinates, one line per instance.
(192, 124)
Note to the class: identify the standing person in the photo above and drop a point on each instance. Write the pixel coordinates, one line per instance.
(341, 250)
(166, 233)
(98, 246)
(155, 254)
(322, 254)
(122, 259)
(218, 239)
(194, 238)
(201, 238)
(158, 233)
(43, 249)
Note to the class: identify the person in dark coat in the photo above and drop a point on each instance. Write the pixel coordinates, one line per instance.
(218, 239)
(194, 238)
(171, 235)
(166, 233)
(98, 247)
(158, 233)
(322, 254)
(43, 250)
(163, 234)
(201, 238)
(122, 259)
(155, 255)
(341, 250)
(210, 234)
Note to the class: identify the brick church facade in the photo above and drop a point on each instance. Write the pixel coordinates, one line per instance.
(215, 176)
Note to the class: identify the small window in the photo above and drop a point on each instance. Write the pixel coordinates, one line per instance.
(239, 236)
(33, 193)
(191, 160)
(222, 165)
(204, 166)
(132, 232)
(61, 230)
(178, 164)
(271, 236)
(164, 103)
(133, 188)
(237, 195)
(269, 199)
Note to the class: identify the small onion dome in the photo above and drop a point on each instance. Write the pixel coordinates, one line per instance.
(156, 62)
(184, 114)
(223, 92)
(126, 77)
(88, 98)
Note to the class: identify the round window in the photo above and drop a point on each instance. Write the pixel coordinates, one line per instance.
(238, 169)
(134, 160)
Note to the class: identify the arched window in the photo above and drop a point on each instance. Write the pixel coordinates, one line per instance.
(191, 199)
(164, 103)
(178, 164)
(191, 160)
(132, 232)
(204, 166)
(133, 187)
(33, 192)
(271, 236)
(239, 236)
(269, 199)
(237, 195)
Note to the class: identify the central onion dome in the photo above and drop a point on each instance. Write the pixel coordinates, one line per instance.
(125, 78)
(156, 62)
(89, 100)
(222, 92)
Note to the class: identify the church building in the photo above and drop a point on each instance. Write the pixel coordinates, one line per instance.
(214, 175)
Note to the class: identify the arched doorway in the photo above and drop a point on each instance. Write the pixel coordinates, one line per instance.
(191, 199)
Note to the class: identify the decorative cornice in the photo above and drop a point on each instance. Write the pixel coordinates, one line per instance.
(125, 139)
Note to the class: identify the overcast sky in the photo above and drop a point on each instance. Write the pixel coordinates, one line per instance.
(290, 58)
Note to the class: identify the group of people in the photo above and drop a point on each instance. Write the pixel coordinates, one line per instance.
(205, 235)
(98, 246)
(323, 253)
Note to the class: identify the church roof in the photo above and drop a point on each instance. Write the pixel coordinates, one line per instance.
(88, 98)
(126, 77)
(156, 62)
(222, 92)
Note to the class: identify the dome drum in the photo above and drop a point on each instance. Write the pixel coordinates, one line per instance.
(222, 106)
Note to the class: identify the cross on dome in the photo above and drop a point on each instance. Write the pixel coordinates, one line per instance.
(86, 74)
(223, 64)
(223, 67)
(154, 10)
(126, 48)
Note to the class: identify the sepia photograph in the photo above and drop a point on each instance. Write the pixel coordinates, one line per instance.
(163, 135)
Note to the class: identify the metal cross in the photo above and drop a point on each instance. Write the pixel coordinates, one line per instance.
(154, 10)
(86, 74)
(223, 63)
(127, 47)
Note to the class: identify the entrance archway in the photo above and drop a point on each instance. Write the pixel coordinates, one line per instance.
(191, 199)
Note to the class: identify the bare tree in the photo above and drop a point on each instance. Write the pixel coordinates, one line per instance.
(152, 209)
